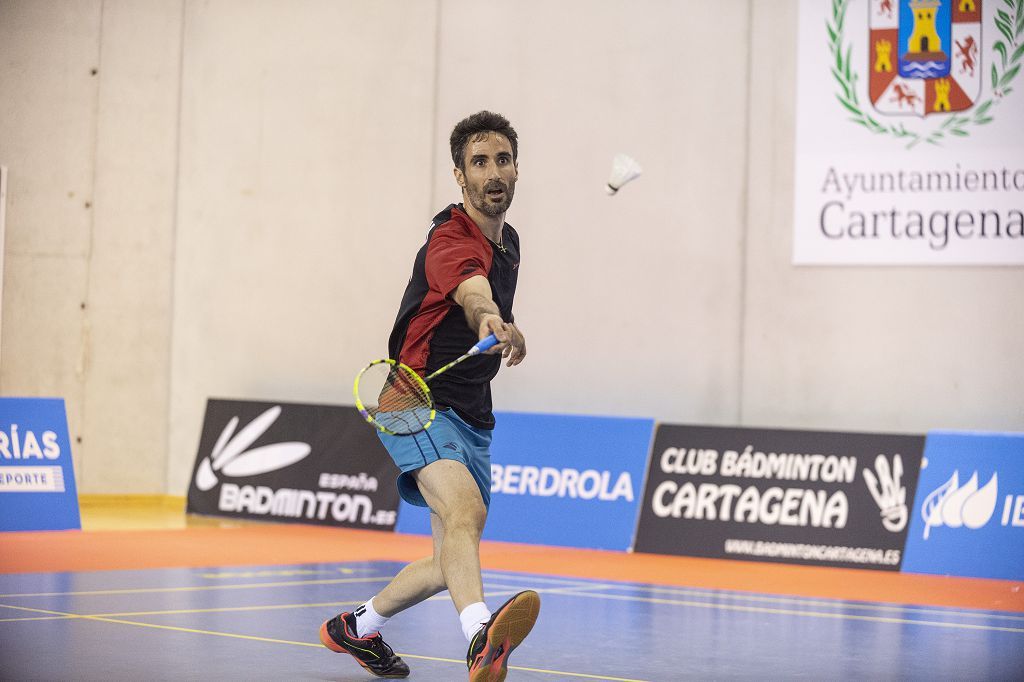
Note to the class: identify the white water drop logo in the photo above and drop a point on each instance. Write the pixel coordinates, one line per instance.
(955, 506)
(230, 457)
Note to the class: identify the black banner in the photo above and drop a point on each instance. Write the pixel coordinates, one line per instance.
(317, 464)
(804, 497)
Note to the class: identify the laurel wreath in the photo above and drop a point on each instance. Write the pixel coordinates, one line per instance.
(1011, 26)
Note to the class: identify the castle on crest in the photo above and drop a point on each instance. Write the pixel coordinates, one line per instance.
(924, 43)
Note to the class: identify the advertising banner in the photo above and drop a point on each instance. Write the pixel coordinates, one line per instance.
(570, 481)
(968, 515)
(37, 475)
(805, 497)
(908, 132)
(317, 464)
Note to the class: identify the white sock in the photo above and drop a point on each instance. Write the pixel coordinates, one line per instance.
(474, 617)
(368, 620)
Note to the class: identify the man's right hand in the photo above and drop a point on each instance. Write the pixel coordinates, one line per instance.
(493, 324)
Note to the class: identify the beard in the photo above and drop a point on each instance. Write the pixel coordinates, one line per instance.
(482, 202)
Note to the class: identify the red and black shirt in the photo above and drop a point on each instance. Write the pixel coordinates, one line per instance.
(431, 329)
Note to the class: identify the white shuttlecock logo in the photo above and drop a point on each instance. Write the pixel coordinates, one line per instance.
(624, 169)
(230, 457)
(888, 492)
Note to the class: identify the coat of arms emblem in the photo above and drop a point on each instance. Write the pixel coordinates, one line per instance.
(924, 56)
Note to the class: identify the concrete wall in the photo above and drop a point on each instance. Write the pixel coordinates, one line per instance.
(631, 303)
(303, 191)
(89, 120)
(49, 146)
(237, 194)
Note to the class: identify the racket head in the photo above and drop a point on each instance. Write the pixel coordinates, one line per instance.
(393, 398)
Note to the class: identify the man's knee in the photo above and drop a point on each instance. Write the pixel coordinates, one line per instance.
(468, 515)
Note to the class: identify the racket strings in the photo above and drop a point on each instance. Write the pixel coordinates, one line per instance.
(395, 398)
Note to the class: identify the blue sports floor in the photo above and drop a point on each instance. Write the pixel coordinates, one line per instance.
(261, 622)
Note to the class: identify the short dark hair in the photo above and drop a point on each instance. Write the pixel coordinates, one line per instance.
(480, 122)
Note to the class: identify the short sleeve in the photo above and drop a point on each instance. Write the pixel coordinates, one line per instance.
(452, 258)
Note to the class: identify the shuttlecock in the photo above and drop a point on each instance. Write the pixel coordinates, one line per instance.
(624, 169)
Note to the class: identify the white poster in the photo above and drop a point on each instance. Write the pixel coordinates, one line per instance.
(910, 132)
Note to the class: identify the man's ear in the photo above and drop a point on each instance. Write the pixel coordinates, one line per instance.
(460, 177)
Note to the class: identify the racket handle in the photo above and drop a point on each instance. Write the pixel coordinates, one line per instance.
(483, 344)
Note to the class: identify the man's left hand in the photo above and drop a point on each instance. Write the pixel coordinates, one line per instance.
(515, 351)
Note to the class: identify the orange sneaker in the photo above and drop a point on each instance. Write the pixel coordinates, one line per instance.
(488, 654)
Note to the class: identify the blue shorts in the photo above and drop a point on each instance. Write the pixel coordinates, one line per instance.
(448, 437)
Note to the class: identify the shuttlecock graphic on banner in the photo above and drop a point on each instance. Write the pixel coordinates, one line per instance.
(230, 457)
(890, 495)
(952, 505)
(624, 169)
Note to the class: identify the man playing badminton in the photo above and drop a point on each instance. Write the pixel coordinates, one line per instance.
(461, 291)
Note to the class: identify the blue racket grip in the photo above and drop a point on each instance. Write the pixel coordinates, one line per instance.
(484, 344)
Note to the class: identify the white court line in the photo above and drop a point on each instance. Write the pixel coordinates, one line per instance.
(504, 575)
(442, 597)
(801, 614)
(577, 592)
(527, 578)
(744, 596)
(839, 603)
(459, 662)
(232, 586)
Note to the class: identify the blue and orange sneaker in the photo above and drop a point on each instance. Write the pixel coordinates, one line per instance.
(373, 653)
(508, 627)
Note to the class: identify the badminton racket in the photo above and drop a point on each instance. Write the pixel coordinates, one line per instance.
(395, 399)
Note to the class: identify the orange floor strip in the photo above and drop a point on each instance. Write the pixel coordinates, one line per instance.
(263, 544)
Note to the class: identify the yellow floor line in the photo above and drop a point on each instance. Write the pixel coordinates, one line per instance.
(200, 588)
(227, 609)
(572, 591)
(178, 612)
(271, 640)
(267, 573)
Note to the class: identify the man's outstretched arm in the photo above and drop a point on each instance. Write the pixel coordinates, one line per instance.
(482, 315)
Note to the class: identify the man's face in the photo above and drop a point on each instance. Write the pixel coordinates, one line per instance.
(490, 173)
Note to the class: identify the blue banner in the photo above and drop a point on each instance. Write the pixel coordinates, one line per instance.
(37, 476)
(968, 516)
(561, 480)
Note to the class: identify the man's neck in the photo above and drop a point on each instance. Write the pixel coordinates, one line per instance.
(489, 225)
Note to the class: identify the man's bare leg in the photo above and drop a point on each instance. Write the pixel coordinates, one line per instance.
(419, 580)
(454, 497)
(457, 519)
